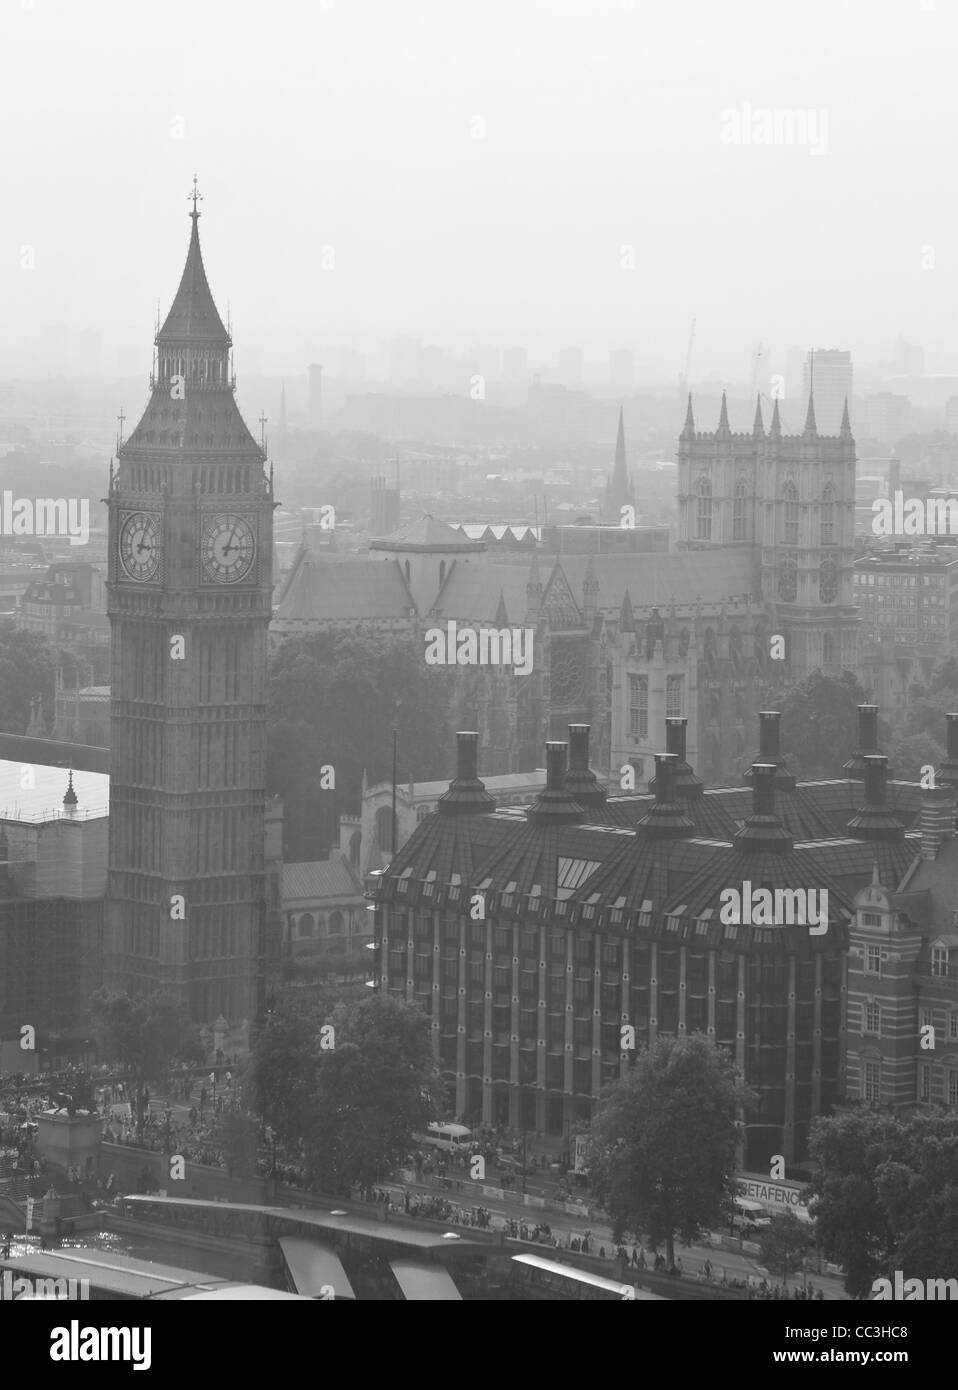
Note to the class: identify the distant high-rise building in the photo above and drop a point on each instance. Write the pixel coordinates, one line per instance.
(886, 416)
(352, 365)
(829, 372)
(570, 366)
(515, 366)
(907, 358)
(621, 370)
(383, 507)
(315, 398)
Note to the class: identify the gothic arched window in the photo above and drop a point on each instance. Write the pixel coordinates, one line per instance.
(703, 510)
(790, 497)
(828, 649)
(738, 511)
(828, 582)
(828, 515)
(788, 580)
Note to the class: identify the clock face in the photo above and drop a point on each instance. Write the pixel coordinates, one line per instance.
(227, 548)
(139, 546)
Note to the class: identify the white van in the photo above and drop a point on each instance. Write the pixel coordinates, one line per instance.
(450, 1138)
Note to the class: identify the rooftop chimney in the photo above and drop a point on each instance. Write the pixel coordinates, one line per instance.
(937, 821)
(948, 772)
(874, 820)
(466, 795)
(867, 742)
(769, 750)
(554, 805)
(763, 832)
(687, 785)
(665, 818)
(580, 781)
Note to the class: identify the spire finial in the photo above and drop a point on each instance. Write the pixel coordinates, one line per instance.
(70, 796)
(723, 429)
(197, 197)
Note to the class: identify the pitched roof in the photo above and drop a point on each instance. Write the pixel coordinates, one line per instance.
(321, 878)
(427, 534)
(471, 592)
(325, 589)
(653, 578)
(193, 315)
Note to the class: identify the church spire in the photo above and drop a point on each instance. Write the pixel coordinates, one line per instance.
(811, 430)
(723, 431)
(845, 431)
(758, 428)
(621, 490)
(775, 429)
(688, 431)
(193, 315)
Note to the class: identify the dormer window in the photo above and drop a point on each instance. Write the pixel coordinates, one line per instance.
(871, 919)
(939, 961)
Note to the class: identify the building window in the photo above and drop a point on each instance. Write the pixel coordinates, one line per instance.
(306, 924)
(738, 512)
(871, 919)
(788, 580)
(953, 1087)
(924, 1081)
(872, 1018)
(639, 706)
(828, 515)
(871, 1080)
(336, 924)
(872, 954)
(953, 1024)
(790, 496)
(939, 961)
(703, 514)
(673, 697)
(828, 582)
(927, 1018)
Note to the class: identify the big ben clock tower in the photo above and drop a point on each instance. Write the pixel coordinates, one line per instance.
(190, 593)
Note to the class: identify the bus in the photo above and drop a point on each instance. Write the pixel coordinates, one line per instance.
(447, 1137)
(532, 1277)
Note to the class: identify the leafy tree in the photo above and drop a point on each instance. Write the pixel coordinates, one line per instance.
(334, 699)
(146, 1034)
(237, 1136)
(784, 1242)
(909, 754)
(820, 724)
(663, 1141)
(352, 1098)
(887, 1194)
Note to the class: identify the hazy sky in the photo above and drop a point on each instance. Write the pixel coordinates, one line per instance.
(353, 125)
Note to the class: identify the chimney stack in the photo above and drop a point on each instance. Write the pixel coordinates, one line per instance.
(763, 831)
(770, 752)
(874, 820)
(466, 795)
(854, 769)
(937, 821)
(687, 785)
(554, 805)
(948, 772)
(666, 818)
(580, 781)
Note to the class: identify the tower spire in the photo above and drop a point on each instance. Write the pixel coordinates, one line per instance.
(620, 469)
(775, 429)
(197, 197)
(758, 428)
(688, 431)
(723, 430)
(810, 426)
(845, 431)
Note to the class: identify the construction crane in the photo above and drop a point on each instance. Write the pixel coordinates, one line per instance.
(684, 378)
(756, 361)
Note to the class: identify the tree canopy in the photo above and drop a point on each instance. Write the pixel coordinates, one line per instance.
(887, 1194)
(351, 1087)
(334, 698)
(663, 1141)
(819, 725)
(146, 1033)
